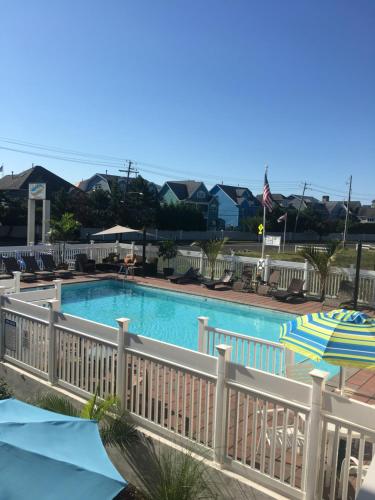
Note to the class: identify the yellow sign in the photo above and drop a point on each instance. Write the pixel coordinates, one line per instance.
(260, 229)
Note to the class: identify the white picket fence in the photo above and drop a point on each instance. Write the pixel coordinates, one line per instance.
(191, 258)
(296, 439)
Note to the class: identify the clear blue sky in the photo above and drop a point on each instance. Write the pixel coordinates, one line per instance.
(209, 89)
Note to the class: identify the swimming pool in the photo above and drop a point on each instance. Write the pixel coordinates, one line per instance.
(168, 316)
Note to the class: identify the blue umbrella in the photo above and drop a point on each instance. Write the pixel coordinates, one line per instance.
(46, 455)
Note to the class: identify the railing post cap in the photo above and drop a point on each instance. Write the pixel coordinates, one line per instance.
(202, 318)
(318, 374)
(121, 321)
(223, 348)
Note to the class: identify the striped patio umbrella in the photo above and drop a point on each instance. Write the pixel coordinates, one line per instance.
(340, 337)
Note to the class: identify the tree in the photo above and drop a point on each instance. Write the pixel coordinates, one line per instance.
(114, 425)
(322, 260)
(180, 217)
(63, 230)
(211, 249)
(167, 250)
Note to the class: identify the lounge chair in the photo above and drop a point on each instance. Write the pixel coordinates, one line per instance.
(84, 264)
(344, 296)
(244, 283)
(271, 285)
(11, 266)
(31, 266)
(226, 279)
(191, 276)
(295, 290)
(49, 265)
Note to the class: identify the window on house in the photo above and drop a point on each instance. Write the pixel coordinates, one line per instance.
(201, 195)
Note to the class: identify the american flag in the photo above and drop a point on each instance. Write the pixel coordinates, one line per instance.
(267, 198)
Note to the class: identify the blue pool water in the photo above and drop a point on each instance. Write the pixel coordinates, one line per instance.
(168, 316)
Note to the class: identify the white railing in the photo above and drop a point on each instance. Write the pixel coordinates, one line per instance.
(191, 258)
(281, 433)
(246, 350)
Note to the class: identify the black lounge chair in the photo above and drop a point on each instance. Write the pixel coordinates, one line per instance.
(11, 266)
(271, 285)
(295, 290)
(191, 276)
(84, 264)
(244, 283)
(344, 296)
(32, 266)
(226, 279)
(49, 265)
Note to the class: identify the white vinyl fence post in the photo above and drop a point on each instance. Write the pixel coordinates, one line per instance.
(57, 284)
(221, 398)
(306, 268)
(92, 249)
(123, 328)
(2, 339)
(267, 265)
(201, 256)
(289, 357)
(314, 434)
(17, 281)
(53, 304)
(202, 334)
(132, 251)
(117, 247)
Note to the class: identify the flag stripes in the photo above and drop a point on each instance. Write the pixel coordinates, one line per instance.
(267, 198)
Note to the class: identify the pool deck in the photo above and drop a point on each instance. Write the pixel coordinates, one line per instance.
(361, 383)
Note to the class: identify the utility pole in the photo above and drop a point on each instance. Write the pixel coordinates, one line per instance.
(347, 213)
(128, 171)
(300, 205)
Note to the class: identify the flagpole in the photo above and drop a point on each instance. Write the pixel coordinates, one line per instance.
(264, 223)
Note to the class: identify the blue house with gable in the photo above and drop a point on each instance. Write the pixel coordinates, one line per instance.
(235, 204)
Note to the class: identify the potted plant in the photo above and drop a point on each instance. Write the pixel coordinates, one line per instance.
(167, 251)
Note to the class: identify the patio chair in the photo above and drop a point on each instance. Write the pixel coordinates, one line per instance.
(353, 469)
(190, 276)
(344, 296)
(280, 431)
(226, 279)
(11, 266)
(244, 283)
(84, 264)
(49, 265)
(31, 266)
(271, 285)
(295, 290)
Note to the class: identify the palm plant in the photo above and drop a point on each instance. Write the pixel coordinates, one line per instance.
(63, 230)
(322, 260)
(211, 249)
(172, 475)
(114, 425)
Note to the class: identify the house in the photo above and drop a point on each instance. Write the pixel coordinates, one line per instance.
(234, 204)
(17, 185)
(277, 199)
(366, 213)
(337, 209)
(102, 181)
(192, 193)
